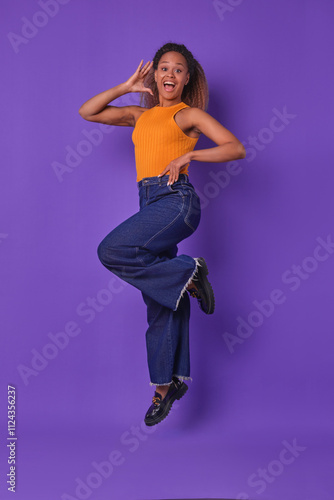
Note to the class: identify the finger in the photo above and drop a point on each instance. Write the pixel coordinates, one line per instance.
(147, 89)
(149, 64)
(171, 178)
(175, 176)
(141, 62)
(148, 68)
(164, 172)
(144, 68)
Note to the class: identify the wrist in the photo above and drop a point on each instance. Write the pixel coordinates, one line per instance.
(125, 87)
(190, 156)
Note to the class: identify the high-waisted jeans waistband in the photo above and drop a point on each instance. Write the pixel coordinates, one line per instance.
(162, 181)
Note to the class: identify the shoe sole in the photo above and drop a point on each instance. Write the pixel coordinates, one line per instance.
(178, 395)
(206, 285)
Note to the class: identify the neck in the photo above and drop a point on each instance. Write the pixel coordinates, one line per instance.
(163, 103)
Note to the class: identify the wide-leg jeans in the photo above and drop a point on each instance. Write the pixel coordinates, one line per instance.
(143, 252)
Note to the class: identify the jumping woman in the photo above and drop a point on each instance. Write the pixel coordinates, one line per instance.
(143, 249)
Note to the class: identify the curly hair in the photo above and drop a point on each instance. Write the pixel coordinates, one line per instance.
(195, 93)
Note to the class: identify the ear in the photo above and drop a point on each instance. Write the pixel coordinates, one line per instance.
(155, 76)
(187, 79)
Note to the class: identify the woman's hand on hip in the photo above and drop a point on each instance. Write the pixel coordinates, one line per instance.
(174, 168)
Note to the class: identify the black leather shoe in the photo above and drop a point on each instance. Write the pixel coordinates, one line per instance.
(203, 291)
(159, 409)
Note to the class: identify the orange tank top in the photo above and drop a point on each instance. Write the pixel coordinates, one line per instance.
(158, 140)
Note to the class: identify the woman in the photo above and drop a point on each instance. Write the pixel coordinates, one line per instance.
(143, 249)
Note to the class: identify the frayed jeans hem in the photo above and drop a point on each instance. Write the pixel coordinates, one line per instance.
(181, 377)
(184, 289)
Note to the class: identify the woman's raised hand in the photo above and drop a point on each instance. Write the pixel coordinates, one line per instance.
(136, 82)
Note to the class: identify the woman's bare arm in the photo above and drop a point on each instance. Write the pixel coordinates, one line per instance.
(228, 146)
(97, 109)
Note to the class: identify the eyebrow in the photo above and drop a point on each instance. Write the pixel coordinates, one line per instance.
(168, 62)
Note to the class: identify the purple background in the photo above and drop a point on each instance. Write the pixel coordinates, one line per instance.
(248, 398)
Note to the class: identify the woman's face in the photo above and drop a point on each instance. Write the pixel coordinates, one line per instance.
(171, 75)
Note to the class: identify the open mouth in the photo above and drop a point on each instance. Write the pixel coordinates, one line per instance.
(169, 86)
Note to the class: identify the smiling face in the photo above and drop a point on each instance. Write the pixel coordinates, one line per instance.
(171, 76)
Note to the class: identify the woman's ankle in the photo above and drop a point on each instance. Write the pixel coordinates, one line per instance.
(162, 389)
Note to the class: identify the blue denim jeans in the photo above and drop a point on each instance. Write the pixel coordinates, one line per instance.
(143, 252)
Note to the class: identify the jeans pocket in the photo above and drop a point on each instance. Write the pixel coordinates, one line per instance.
(192, 204)
(193, 214)
(174, 188)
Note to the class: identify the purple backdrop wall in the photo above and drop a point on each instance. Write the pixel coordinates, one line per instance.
(257, 421)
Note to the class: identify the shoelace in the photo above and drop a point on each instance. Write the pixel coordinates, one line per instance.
(156, 401)
(194, 293)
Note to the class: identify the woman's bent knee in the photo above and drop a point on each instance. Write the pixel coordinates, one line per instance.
(104, 253)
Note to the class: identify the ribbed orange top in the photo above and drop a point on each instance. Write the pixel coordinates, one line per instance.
(158, 140)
